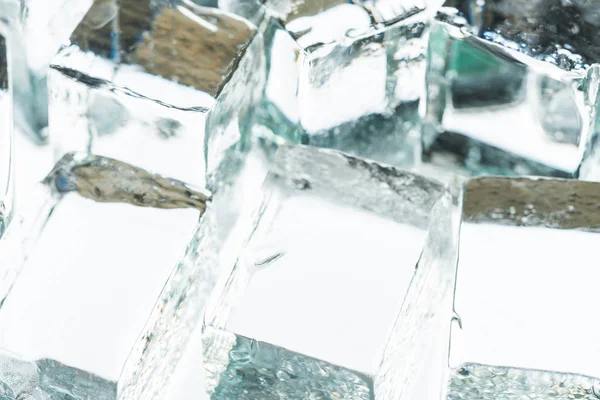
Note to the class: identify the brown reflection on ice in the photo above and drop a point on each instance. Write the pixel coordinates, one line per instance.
(195, 46)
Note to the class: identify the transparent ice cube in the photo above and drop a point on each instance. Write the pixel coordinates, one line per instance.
(165, 335)
(76, 299)
(37, 30)
(312, 304)
(169, 332)
(6, 136)
(526, 282)
(344, 75)
(512, 88)
(140, 77)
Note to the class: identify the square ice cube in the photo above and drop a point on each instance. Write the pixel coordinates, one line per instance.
(512, 87)
(6, 136)
(139, 78)
(313, 304)
(84, 291)
(526, 291)
(344, 75)
(37, 30)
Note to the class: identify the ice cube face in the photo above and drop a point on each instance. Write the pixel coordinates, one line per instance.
(174, 324)
(6, 136)
(140, 77)
(313, 297)
(37, 29)
(526, 260)
(382, 11)
(512, 88)
(344, 75)
(106, 247)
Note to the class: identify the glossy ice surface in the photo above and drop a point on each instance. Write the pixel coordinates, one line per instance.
(526, 278)
(313, 299)
(140, 77)
(109, 237)
(344, 75)
(512, 88)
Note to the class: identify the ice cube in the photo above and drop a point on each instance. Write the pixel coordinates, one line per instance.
(344, 75)
(512, 88)
(313, 303)
(6, 137)
(169, 331)
(84, 291)
(140, 77)
(525, 291)
(217, 240)
(37, 30)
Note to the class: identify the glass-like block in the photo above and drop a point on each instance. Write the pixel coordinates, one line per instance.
(344, 75)
(512, 88)
(81, 273)
(173, 327)
(526, 282)
(37, 30)
(6, 136)
(140, 77)
(312, 305)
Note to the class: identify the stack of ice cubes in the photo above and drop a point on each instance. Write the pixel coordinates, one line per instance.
(299, 199)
